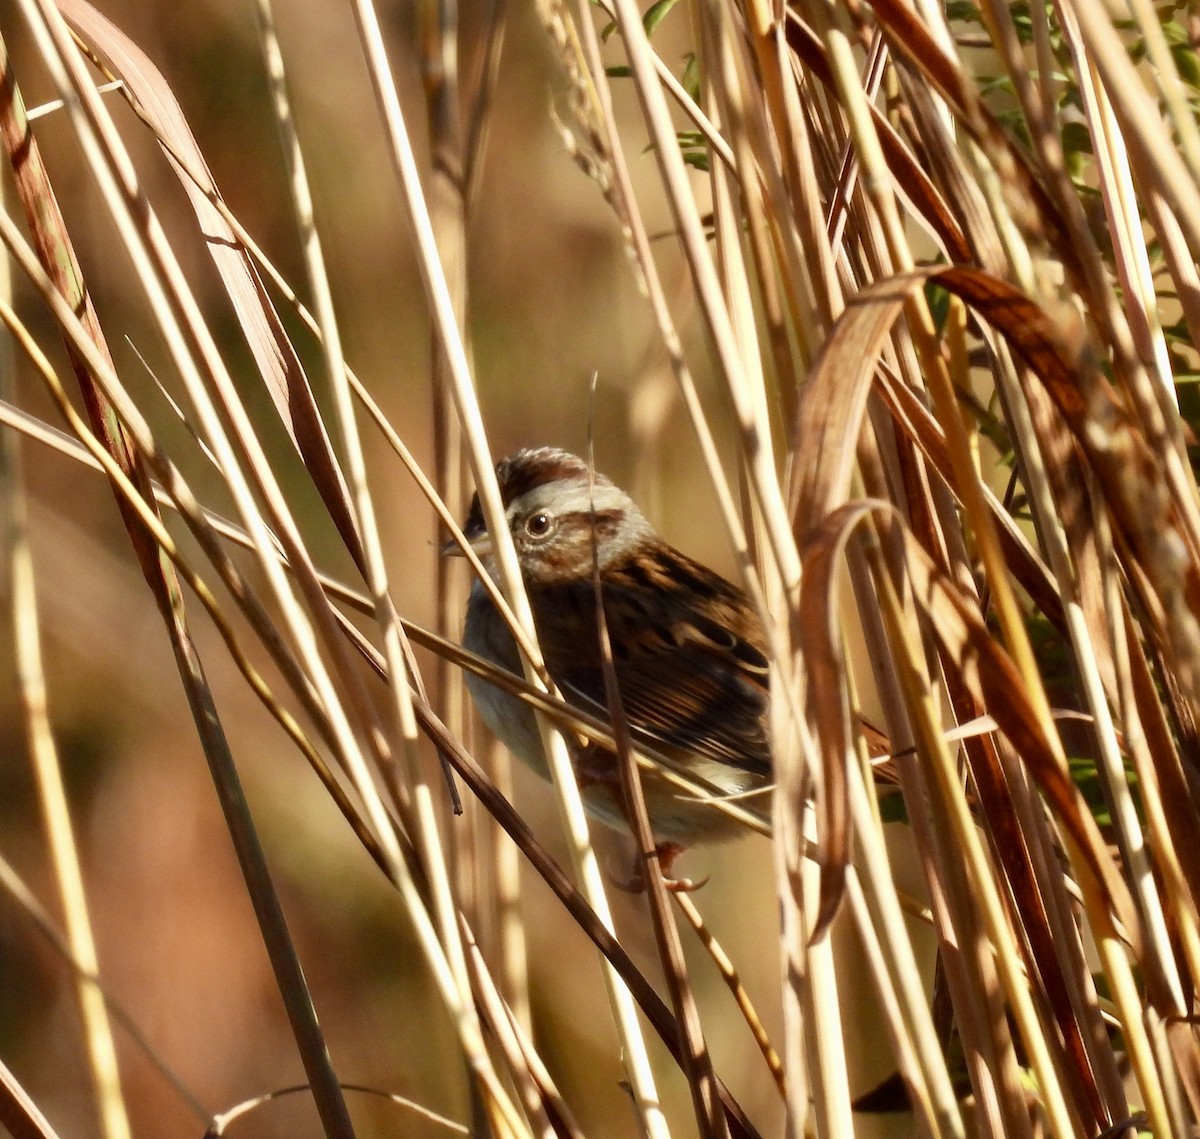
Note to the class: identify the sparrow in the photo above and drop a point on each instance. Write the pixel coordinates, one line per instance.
(688, 650)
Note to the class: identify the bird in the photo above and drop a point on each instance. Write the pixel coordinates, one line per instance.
(688, 649)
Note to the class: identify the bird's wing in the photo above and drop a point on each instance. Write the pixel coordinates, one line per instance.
(691, 682)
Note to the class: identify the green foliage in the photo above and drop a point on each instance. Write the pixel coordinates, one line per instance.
(695, 149)
(656, 13)
(691, 75)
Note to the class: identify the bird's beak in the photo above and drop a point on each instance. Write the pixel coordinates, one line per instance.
(480, 543)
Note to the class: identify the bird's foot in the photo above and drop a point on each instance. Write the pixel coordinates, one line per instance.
(667, 853)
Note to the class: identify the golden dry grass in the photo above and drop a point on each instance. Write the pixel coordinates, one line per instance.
(895, 323)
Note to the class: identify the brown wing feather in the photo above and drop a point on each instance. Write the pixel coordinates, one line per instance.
(689, 656)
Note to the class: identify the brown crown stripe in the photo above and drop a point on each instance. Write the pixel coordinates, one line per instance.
(522, 472)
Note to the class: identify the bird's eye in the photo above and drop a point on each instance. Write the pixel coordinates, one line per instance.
(539, 525)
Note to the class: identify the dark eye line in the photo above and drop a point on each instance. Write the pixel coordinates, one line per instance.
(601, 517)
(540, 523)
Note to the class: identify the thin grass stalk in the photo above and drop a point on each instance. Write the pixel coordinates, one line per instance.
(398, 871)
(847, 180)
(1039, 108)
(19, 1113)
(457, 164)
(1041, 908)
(244, 434)
(1172, 1084)
(791, 292)
(1099, 906)
(637, 231)
(731, 265)
(907, 1065)
(716, 315)
(625, 203)
(1016, 637)
(518, 1054)
(1161, 798)
(826, 1043)
(1075, 971)
(448, 181)
(970, 975)
(1086, 657)
(635, 1055)
(329, 1101)
(99, 1044)
(512, 945)
(1167, 79)
(210, 531)
(920, 327)
(1141, 119)
(300, 627)
(279, 368)
(1048, 515)
(697, 1062)
(787, 836)
(439, 36)
(433, 861)
(220, 1123)
(151, 253)
(695, 113)
(24, 897)
(623, 200)
(374, 569)
(289, 975)
(1113, 769)
(1181, 267)
(274, 932)
(881, 925)
(944, 784)
(729, 974)
(1110, 763)
(1155, 157)
(1125, 225)
(763, 481)
(60, 834)
(480, 117)
(833, 1096)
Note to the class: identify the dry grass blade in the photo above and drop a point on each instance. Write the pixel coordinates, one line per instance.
(729, 974)
(829, 707)
(19, 1113)
(697, 1061)
(909, 174)
(54, 246)
(919, 319)
(48, 770)
(276, 359)
(651, 1004)
(221, 1123)
(829, 423)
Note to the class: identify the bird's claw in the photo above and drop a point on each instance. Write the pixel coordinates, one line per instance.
(666, 853)
(685, 885)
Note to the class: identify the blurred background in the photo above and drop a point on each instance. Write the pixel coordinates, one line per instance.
(551, 300)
